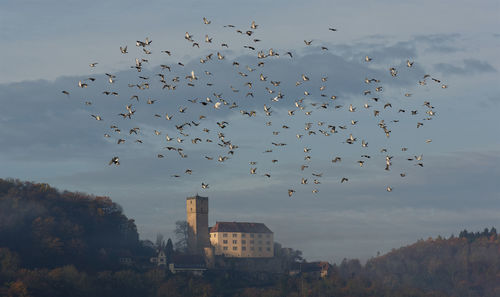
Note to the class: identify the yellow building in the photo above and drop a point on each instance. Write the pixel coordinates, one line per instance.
(242, 240)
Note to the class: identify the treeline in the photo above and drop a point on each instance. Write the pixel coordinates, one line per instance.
(55, 243)
(48, 228)
(467, 265)
(157, 282)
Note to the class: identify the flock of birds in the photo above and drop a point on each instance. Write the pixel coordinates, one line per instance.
(256, 81)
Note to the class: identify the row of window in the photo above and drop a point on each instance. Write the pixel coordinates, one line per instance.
(244, 248)
(252, 235)
(243, 241)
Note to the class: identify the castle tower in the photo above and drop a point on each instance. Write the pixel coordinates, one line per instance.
(197, 219)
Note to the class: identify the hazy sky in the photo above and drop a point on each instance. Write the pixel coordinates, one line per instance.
(47, 136)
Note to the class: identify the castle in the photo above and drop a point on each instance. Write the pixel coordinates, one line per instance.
(227, 239)
(235, 246)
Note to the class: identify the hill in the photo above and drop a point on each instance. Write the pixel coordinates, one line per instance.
(467, 265)
(47, 228)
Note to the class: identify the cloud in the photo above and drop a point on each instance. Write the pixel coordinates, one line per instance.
(50, 137)
(470, 66)
(441, 43)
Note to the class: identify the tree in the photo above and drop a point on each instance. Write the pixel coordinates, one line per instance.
(169, 250)
(160, 242)
(181, 235)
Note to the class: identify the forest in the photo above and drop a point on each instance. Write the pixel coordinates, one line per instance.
(60, 243)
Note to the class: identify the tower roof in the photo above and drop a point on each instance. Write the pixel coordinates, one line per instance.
(242, 227)
(197, 197)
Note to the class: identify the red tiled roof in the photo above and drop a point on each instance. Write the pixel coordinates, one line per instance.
(240, 227)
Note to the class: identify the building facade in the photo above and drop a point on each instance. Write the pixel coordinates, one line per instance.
(197, 219)
(242, 240)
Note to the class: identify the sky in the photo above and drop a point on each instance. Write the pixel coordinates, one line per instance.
(51, 137)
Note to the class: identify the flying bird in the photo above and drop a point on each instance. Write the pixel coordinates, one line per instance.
(115, 161)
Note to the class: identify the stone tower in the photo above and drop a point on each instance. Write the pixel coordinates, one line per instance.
(197, 219)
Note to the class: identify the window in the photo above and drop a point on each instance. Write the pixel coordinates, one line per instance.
(235, 235)
(224, 248)
(260, 249)
(252, 235)
(251, 241)
(267, 235)
(215, 234)
(260, 241)
(243, 248)
(243, 241)
(224, 235)
(268, 249)
(235, 241)
(243, 234)
(268, 242)
(224, 241)
(235, 248)
(251, 248)
(260, 235)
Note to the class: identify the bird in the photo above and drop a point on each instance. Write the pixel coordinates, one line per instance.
(204, 185)
(290, 192)
(336, 159)
(257, 84)
(115, 161)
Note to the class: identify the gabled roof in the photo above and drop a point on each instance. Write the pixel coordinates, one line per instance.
(242, 227)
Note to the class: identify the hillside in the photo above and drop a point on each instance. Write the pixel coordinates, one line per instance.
(467, 265)
(48, 228)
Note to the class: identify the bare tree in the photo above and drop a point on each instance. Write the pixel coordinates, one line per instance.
(181, 236)
(160, 242)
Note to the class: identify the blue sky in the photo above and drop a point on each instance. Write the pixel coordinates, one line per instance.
(49, 137)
